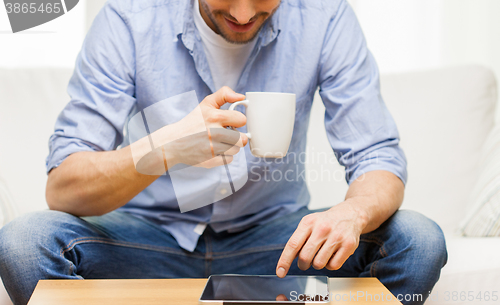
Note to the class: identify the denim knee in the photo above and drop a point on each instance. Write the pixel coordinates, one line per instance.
(29, 249)
(413, 251)
(23, 236)
(423, 237)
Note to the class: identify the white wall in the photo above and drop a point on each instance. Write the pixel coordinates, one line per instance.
(425, 34)
(402, 34)
(55, 43)
(472, 33)
(421, 34)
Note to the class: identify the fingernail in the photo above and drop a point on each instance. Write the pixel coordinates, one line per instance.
(281, 272)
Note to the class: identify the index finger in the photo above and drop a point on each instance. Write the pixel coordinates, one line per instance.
(222, 96)
(291, 250)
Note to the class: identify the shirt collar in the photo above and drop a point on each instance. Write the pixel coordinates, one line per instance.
(271, 28)
(185, 28)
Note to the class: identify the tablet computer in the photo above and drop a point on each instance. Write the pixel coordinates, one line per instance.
(265, 289)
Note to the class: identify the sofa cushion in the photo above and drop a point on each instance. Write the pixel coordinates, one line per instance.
(31, 100)
(472, 265)
(8, 210)
(483, 218)
(444, 117)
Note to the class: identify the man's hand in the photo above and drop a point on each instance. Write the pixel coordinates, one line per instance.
(327, 239)
(324, 240)
(203, 135)
(199, 139)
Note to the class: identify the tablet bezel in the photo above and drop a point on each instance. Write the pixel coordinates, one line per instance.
(246, 302)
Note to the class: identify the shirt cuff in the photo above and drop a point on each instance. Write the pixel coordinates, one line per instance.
(61, 147)
(390, 159)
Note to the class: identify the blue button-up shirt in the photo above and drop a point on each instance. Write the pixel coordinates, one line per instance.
(138, 53)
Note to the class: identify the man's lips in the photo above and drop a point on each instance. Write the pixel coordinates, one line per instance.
(241, 28)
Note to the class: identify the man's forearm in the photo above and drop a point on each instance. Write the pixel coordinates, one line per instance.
(95, 183)
(376, 195)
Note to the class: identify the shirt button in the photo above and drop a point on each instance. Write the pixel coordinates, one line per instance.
(223, 191)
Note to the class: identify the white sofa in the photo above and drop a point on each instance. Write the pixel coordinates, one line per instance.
(443, 116)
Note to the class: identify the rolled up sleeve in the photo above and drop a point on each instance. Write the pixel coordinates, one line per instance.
(359, 127)
(101, 90)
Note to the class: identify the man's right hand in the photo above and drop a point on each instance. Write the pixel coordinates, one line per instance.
(95, 183)
(199, 139)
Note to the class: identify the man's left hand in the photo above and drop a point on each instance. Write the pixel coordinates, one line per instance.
(324, 239)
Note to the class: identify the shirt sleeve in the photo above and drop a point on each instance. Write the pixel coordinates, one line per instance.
(101, 90)
(359, 127)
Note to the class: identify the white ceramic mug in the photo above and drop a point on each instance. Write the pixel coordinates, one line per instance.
(270, 121)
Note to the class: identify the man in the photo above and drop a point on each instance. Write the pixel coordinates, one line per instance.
(108, 220)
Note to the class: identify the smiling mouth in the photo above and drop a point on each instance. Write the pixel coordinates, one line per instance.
(240, 28)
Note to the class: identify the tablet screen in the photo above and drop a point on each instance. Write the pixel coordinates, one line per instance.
(252, 288)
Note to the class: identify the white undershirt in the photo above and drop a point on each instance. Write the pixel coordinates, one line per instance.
(226, 60)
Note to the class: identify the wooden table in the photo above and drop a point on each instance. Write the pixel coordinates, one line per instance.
(182, 292)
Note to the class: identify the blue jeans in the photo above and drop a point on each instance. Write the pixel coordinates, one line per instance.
(406, 253)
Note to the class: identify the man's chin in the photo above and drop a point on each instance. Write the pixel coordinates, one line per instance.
(238, 37)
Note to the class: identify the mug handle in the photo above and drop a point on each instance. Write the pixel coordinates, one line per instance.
(234, 105)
